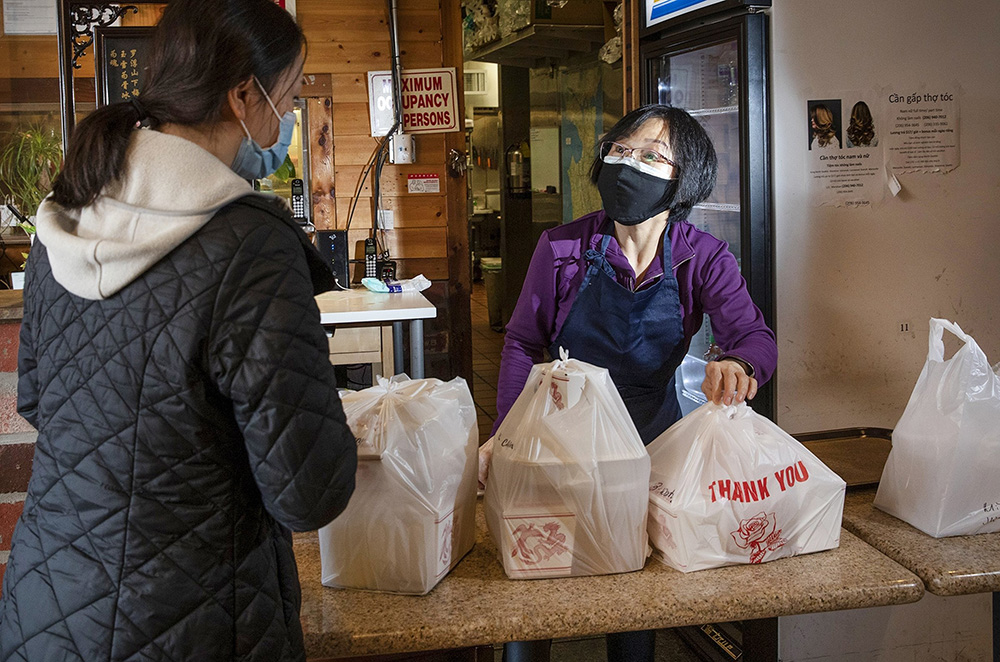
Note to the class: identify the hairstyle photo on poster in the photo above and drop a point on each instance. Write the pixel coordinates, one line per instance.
(824, 124)
(844, 157)
(861, 129)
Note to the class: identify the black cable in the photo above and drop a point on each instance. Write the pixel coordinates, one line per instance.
(357, 193)
(381, 153)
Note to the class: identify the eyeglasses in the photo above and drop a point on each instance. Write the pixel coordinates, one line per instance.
(641, 154)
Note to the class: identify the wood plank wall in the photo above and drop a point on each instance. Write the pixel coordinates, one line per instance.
(346, 39)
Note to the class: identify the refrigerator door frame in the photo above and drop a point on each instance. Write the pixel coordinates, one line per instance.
(688, 17)
(756, 236)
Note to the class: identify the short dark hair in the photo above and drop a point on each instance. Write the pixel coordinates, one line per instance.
(692, 150)
(201, 50)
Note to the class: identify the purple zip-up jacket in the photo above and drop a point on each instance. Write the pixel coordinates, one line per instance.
(708, 278)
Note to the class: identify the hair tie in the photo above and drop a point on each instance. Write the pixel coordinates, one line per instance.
(139, 109)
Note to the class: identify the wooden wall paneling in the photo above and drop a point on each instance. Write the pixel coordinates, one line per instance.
(347, 39)
(417, 211)
(316, 84)
(394, 177)
(357, 24)
(352, 119)
(430, 268)
(459, 264)
(631, 21)
(31, 57)
(403, 243)
(350, 88)
(355, 150)
(362, 213)
(322, 163)
(347, 179)
(408, 211)
(346, 57)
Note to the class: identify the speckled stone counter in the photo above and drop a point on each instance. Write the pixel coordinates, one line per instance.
(476, 603)
(947, 566)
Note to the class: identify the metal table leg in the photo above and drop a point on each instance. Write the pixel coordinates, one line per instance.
(417, 349)
(397, 348)
(996, 626)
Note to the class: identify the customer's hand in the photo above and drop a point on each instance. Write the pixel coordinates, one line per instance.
(726, 382)
(485, 456)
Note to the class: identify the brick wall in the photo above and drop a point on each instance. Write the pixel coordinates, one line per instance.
(17, 442)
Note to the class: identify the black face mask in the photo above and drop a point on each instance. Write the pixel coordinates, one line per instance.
(631, 196)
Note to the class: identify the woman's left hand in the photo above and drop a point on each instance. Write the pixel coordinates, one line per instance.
(726, 383)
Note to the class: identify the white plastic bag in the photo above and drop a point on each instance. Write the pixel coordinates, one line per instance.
(728, 486)
(412, 515)
(943, 473)
(566, 494)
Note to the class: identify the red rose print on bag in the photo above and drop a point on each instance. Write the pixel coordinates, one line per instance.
(759, 534)
(532, 546)
(445, 558)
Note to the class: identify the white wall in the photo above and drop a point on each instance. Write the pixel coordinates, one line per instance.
(846, 277)
(491, 98)
(955, 628)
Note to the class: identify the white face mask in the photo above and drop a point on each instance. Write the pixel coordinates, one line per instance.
(253, 161)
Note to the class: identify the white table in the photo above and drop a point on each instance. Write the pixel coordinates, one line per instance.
(361, 307)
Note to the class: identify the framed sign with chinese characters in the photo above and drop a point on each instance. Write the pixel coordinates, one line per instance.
(121, 55)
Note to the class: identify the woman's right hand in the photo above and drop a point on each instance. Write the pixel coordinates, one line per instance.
(485, 456)
(726, 382)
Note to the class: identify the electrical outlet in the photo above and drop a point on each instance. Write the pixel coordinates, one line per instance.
(904, 327)
(386, 219)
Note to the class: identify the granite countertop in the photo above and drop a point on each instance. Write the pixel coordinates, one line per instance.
(476, 604)
(948, 566)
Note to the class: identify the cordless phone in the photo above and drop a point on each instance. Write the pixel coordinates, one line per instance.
(370, 259)
(298, 201)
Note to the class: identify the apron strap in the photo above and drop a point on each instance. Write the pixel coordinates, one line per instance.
(596, 259)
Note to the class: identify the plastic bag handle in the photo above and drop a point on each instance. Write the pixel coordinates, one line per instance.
(935, 349)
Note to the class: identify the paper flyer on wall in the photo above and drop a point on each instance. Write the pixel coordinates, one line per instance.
(844, 142)
(923, 130)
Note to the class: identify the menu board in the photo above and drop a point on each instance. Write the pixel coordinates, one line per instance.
(121, 56)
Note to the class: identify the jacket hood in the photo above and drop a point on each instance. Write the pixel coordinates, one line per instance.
(170, 188)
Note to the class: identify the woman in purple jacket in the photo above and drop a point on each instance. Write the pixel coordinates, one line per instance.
(627, 287)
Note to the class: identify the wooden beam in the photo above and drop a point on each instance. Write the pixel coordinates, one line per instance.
(631, 21)
(459, 267)
(322, 163)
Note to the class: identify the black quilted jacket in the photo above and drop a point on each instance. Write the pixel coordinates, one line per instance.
(183, 424)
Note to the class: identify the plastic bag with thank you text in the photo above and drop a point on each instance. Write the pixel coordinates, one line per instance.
(727, 486)
(943, 472)
(566, 494)
(412, 515)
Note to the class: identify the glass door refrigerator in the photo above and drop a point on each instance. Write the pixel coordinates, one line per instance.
(711, 59)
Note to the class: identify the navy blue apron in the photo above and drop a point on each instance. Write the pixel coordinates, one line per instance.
(638, 336)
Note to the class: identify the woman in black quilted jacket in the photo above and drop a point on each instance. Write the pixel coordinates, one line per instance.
(173, 363)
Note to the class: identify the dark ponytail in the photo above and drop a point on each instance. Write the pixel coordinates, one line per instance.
(96, 154)
(201, 50)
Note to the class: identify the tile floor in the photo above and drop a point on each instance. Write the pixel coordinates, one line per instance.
(486, 346)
